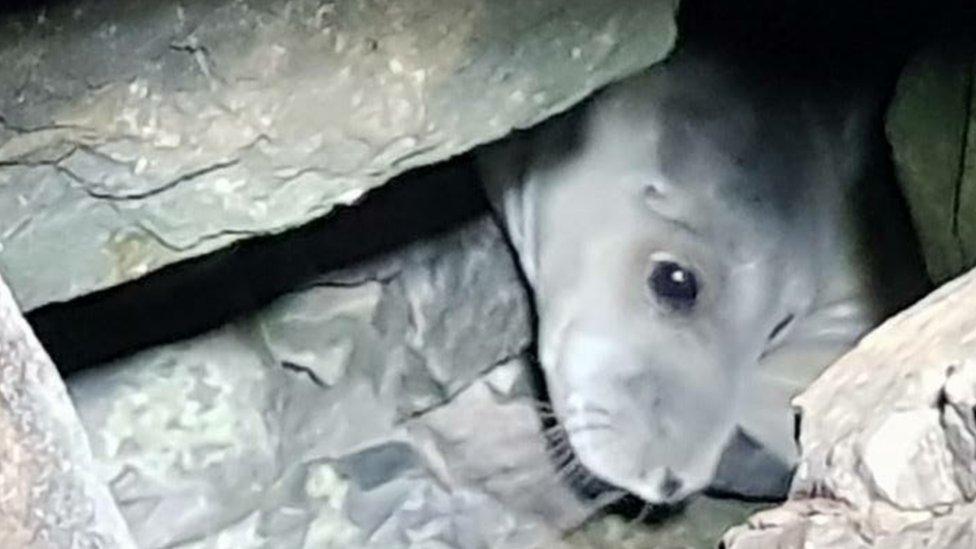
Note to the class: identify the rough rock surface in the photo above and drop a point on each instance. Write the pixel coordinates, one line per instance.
(302, 426)
(48, 494)
(137, 133)
(931, 125)
(386, 405)
(888, 439)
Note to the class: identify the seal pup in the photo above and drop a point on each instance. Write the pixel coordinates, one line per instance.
(692, 242)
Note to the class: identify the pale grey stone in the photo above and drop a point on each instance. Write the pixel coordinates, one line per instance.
(51, 496)
(134, 134)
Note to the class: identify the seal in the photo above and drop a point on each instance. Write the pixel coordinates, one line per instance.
(694, 250)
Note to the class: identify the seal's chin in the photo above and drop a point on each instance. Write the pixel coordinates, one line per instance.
(660, 485)
(655, 431)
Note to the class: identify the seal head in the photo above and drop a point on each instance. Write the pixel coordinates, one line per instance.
(675, 232)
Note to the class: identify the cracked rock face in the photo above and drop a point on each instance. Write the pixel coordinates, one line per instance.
(888, 439)
(139, 133)
(322, 419)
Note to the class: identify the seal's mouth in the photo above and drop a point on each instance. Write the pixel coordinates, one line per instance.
(598, 460)
(608, 496)
(566, 460)
(661, 489)
(652, 430)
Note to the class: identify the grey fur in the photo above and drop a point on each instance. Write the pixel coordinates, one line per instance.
(754, 187)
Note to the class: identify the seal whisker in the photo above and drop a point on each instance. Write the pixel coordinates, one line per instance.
(644, 513)
(559, 452)
(555, 432)
(562, 454)
(571, 463)
(556, 436)
(594, 409)
(572, 472)
(611, 496)
(590, 427)
(558, 443)
(579, 476)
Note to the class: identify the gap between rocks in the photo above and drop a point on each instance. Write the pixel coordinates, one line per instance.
(201, 294)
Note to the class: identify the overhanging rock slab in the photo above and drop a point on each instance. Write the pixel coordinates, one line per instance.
(139, 133)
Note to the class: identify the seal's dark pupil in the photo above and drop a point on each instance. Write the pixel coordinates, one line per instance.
(674, 285)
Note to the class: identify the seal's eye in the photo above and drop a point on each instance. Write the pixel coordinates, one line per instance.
(674, 285)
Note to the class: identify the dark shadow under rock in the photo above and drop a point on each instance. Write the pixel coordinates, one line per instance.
(201, 294)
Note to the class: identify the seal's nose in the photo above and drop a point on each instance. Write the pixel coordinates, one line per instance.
(670, 484)
(662, 485)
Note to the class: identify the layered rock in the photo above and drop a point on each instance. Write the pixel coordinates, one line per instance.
(139, 133)
(321, 420)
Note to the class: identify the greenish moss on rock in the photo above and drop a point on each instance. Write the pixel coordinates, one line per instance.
(932, 132)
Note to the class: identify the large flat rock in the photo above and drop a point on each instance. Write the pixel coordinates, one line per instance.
(134, 134)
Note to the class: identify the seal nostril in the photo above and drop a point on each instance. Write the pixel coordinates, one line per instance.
(670, 484)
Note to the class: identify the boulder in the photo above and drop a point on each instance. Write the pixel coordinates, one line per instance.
(888, 439)
(140, 133)
(50, 496)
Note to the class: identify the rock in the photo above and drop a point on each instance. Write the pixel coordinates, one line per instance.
(931, 125)
(830, 524)
(359, 411)
(141, 133)
(50, 494)
(887, 439)
(315, 422)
